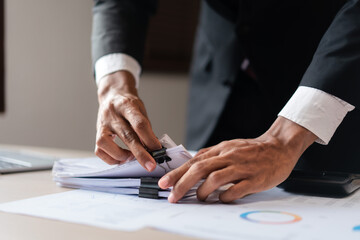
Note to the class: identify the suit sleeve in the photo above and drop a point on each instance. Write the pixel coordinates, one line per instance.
(335, 67)
(120, 26)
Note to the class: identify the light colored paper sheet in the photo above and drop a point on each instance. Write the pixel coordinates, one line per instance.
(95, 174)
(115, 185)
(273, 214)
(95, 167)
(98, 182)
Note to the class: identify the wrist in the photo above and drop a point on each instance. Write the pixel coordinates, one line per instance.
(119, 82)
(291, 135)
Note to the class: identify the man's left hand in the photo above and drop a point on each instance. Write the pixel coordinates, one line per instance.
(252, 165)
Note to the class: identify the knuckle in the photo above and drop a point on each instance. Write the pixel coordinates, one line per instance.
(191, 162)
(127, 136)
(124, 101)
(223, 143)
(100, 141)
(198, 167)
(201, 151)
(140, 123)
(127, 101)
(108, 108)
(214, 178)
(119, 126)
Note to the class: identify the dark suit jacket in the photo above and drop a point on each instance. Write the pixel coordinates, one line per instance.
(313, 43)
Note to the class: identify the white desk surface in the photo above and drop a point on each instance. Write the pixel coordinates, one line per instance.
(31, 184)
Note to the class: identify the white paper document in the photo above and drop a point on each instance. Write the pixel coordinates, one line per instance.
(95, 167)
(95, 174)
(272, 214)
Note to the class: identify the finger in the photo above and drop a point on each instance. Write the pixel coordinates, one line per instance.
(206, 153)
(201, 151)
(172, 177)
(215, 180)
(169, 179)
(105, 157)
(106, 144)
(130, 138)
(195, 173)
(237, 191)
(141, 125)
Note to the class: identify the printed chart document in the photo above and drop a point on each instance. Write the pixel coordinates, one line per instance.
(94, 174)
(273, 214)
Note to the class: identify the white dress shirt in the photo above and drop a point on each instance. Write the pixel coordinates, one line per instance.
(319, 112)
(115, 62)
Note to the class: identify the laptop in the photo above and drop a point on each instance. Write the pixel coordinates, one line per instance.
(12, 161)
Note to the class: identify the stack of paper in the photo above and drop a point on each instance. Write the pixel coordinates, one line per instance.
(125, 178)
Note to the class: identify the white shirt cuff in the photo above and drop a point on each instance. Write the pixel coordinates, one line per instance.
(319, 112)
(115, 62)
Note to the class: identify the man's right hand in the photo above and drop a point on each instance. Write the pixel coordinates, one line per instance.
(122, 113)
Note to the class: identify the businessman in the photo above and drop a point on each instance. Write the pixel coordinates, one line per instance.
(268, 79)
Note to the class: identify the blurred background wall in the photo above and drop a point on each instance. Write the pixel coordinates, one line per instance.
(50, 92)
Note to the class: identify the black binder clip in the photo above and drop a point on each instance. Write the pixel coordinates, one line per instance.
(160, 155)
(149, 187)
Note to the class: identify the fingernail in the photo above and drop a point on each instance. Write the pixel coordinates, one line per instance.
(164, 182)
(171, 198)
(149, 166)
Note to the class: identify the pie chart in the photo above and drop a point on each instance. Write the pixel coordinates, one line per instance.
(270, 217)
